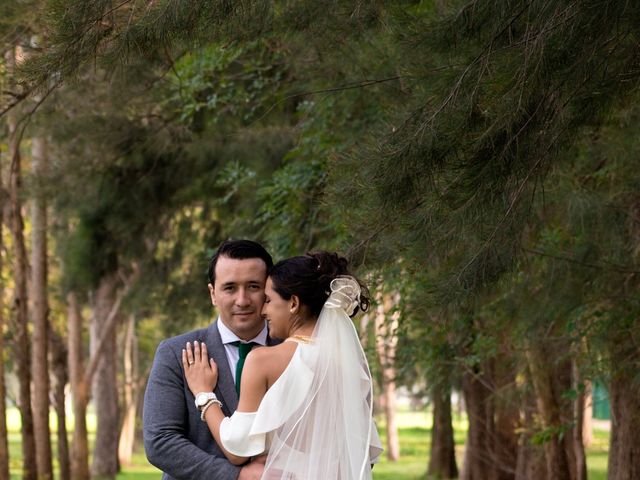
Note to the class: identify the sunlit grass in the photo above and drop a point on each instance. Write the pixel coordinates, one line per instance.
(415, 436)
(415, 439)
(414, 449)
(598, 454)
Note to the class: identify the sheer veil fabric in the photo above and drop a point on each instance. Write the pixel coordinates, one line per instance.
(316, 419)
(329, 435)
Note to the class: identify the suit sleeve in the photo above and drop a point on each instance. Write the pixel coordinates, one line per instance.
(165, 422)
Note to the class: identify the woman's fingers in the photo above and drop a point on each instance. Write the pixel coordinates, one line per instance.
(190, 359)
(196, 351)
(201, 372)
(185, 362)
(197, 354)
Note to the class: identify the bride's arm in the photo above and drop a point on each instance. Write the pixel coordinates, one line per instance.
(202, 376)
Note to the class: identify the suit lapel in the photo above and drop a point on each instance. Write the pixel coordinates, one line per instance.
(226, 389)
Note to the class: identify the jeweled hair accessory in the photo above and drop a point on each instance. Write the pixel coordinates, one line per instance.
(345, 294)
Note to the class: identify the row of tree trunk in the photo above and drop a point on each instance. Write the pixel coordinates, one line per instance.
(500, 441)
(22, 344)
(519, 430)
(540, 435)
(44, 361)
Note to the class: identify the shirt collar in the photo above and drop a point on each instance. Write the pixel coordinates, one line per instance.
(228, 336)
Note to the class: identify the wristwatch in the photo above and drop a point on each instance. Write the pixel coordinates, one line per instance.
(203, 398)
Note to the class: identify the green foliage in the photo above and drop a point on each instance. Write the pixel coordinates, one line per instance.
(478, 159)
(467, 156)
(219, 83)
(550, 433)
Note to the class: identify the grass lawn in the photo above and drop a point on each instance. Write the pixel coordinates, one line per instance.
(414, 447)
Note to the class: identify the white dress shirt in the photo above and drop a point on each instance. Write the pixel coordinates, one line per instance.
(228, 337)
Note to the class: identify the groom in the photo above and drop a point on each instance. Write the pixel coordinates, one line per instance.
(175, 439)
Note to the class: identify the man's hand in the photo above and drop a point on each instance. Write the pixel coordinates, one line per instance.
(253, 471)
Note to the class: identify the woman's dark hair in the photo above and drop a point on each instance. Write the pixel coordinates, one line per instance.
(239, 250)
(309, 278)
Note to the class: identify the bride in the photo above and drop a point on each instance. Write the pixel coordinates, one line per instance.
(306, 402)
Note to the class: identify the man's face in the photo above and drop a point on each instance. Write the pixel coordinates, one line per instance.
(238, 294)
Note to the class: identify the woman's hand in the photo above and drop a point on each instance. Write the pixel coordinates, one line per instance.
(200, 371)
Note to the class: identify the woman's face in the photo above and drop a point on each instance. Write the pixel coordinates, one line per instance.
(277, 312)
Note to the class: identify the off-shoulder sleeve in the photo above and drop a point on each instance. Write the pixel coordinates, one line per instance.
(244, 433)
(236, 436)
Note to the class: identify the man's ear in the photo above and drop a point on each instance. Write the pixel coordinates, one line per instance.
(212, 294)
(295, 304)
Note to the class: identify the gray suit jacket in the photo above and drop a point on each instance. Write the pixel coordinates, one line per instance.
(175, 439)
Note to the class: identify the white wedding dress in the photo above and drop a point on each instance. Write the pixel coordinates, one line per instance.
(315, 422)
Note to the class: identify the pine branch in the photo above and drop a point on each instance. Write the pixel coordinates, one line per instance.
(610, 267)
(350, 86)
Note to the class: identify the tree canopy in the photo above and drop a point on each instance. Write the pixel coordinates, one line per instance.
(475, 161)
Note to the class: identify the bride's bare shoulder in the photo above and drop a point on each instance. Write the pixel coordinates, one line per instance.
(281, 352)
(271, 361)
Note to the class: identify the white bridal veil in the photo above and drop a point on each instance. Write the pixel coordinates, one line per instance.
(330, 434)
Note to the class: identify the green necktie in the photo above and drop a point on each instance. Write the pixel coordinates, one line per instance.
(243, 351)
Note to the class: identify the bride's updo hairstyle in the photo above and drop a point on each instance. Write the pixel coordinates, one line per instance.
(309, 278)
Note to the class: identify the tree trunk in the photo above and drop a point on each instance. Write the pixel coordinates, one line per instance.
(39, 315)
(131, 393)
(493, 410)
(386, 341)
(587, 416)
(82, 378)
(104, 384)
(79, 392)
(550, 381)
(60, 379)
(442, 459)
(4, 440)
(22, 346)
(531, 462)
(478, 454)
(506, 416)
(624, 391)
(578, 418)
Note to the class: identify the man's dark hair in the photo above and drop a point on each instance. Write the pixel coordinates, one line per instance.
(239, 250)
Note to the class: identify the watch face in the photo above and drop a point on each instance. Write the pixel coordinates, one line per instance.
(202, 398)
